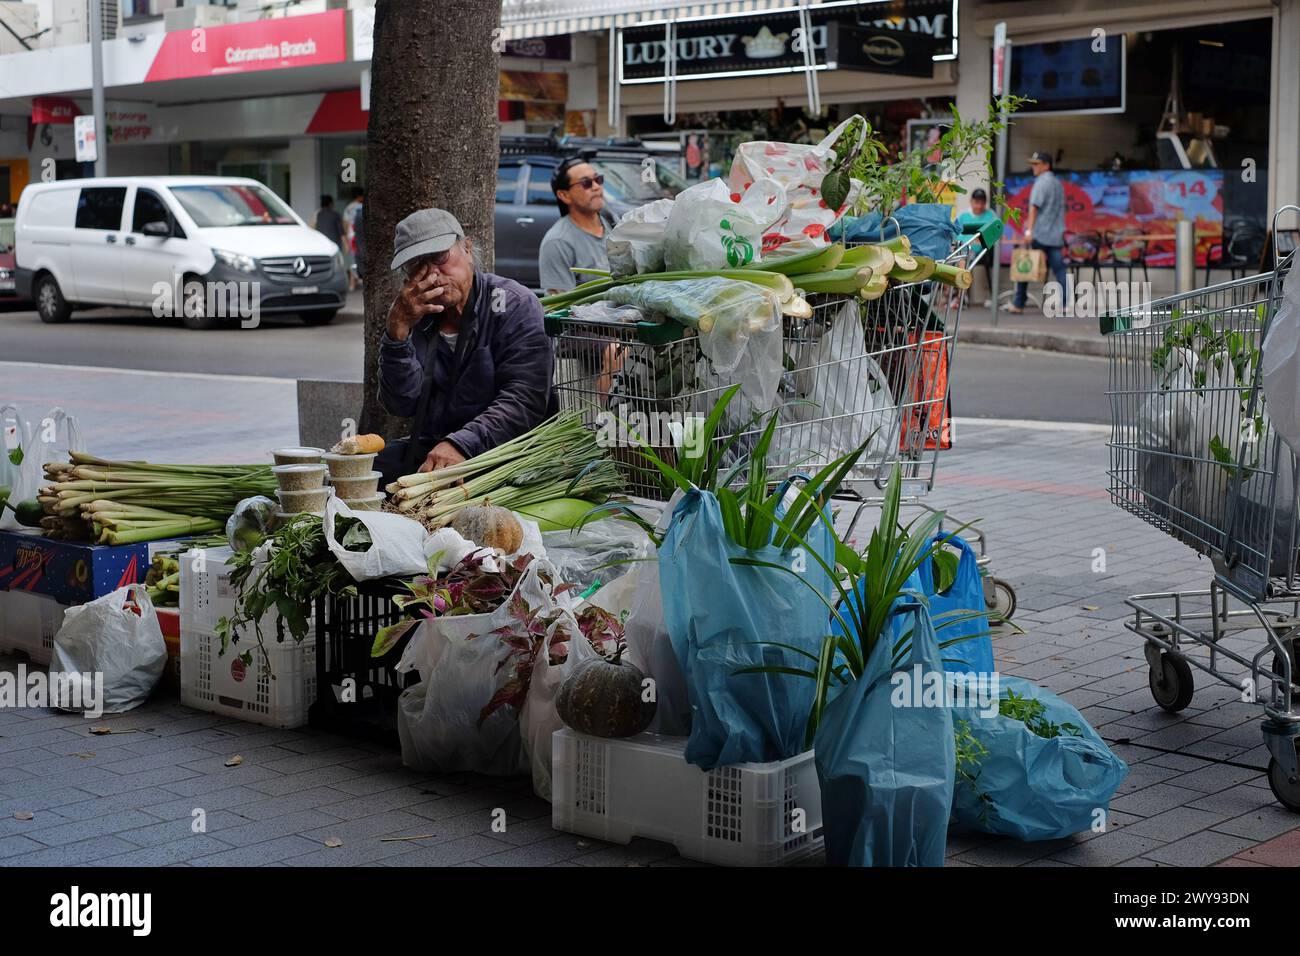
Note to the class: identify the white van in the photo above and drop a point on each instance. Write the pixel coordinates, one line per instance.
(87, 242)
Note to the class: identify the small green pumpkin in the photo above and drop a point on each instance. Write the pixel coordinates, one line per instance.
(603, 697)
(489, 526)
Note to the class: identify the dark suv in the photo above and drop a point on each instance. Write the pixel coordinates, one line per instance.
(526, 207)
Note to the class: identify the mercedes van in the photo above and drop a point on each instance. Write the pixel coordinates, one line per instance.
(121, 241)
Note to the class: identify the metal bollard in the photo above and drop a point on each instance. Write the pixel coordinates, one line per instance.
(1184, 255)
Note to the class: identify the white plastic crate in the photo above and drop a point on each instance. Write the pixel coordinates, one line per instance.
(28, 624)
(754, 814)
(222, 684)
(206, 594)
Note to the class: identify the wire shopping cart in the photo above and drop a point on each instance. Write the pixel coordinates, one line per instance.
(853, 372)
(1194, 453)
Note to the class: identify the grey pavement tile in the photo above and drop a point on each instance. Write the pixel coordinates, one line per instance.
(1175, 824)
(12, 826)
(377, 782)
(524, 832)
(134, 763)
(483, 801)
(264, 807)
(1213, 778)
(1200, 849)
(296, 763)
(1228, 715)
(1081, 697)
(17, 845)
(1181, 762)
(73, 854)
(448, 854)
(240, 776)
(181, 827)
(1217, 751)
(279, 850)
(1258, 757)
(178, 807)
(359, 853)
(388, 823)
(1175, 737)
(120, 783)
(1108, 849)
(75, 831)
(304, 780)
(40, 795)
(1154, 799)
(1048, 861)
(1266, 820)
(1144, 775)
(1008, 852)
(350, 807)
(260, 831)
(213, 757)
(562, 846)
(164, 854)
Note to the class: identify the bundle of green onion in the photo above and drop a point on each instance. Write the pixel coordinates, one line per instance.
(559, 458)
(126, 502)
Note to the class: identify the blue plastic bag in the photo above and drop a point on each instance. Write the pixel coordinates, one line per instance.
(929, 227)
(716, 611)
(887, 771)
(965, 594)
(1037, 788)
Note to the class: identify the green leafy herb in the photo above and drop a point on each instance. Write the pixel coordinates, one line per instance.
(1031, 712)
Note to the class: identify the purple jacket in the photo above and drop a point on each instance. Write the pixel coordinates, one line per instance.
(495, 386)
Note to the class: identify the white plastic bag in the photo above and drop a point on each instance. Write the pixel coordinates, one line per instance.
(108, 637)
(799, 170)
(462, 663)
(709, 229)
(451, 547)
(1280, 363)
(540, 720)
(636, 243)
(397, 543)
(41, 440)
(599, 551)
(843, 400)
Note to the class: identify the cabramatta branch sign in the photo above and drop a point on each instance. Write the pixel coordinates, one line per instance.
(905, 41)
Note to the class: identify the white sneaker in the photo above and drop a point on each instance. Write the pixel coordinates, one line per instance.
(988, 303)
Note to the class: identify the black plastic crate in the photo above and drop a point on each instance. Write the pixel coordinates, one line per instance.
(345, 633)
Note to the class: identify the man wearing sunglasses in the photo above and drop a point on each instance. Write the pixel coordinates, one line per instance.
(578, 236)
(464, 354)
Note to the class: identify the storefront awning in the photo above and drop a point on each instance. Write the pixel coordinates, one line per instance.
(522, 19)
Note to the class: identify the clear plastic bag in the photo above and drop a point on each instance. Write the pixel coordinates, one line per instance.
(600, 551)
(108, 637)
(636, 243)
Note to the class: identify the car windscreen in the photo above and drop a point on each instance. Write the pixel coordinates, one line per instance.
(624, 181)
(236, 204)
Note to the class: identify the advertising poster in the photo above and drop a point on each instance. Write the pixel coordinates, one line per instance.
(1134, 204)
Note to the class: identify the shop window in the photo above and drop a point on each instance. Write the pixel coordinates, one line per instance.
(508, 182)
(101, 208)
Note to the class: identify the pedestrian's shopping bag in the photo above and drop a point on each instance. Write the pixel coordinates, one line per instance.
(1028, 265)
(799, 169)
(1032, 787)
(117, 636)
(717, 613)
(885, 755)
(975, 653)
(709, 228)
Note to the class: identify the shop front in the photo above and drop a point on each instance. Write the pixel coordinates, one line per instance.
(1153, 115)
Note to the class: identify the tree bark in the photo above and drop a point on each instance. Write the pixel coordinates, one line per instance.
(433, 140)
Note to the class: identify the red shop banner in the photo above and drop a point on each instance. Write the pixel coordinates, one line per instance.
(54, 109)
(247, 47)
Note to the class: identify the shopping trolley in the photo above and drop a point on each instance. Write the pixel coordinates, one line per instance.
(1193, 452)
(875, 372)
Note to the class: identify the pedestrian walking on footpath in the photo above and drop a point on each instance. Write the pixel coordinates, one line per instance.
(330, 224)
(351, 249)
(1045, 227)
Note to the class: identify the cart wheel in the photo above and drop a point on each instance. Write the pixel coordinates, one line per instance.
(1004, 599)
(1286, 790)
(1171, 686)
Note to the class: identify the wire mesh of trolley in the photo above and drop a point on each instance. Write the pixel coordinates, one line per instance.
(854, 372)
(1194, 453)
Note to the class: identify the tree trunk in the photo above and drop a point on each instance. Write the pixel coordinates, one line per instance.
(432, 141)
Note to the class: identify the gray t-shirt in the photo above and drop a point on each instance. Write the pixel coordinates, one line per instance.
(1048, 195)
(566, 245)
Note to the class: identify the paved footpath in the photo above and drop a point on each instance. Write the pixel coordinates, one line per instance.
(1195, 793)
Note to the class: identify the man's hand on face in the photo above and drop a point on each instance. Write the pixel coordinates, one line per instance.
(443, 455)
(422, 294)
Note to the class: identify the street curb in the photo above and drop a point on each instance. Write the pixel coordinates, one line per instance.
(1024, 339)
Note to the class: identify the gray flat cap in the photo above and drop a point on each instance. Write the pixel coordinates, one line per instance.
(424, 233)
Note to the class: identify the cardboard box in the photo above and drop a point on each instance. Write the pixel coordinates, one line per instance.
(70, 572)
